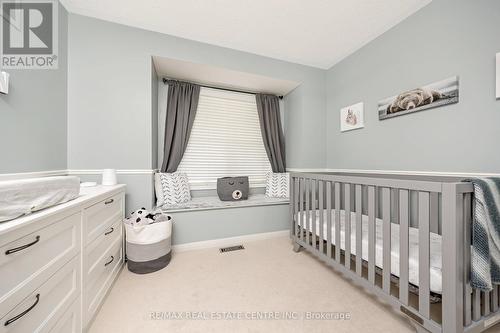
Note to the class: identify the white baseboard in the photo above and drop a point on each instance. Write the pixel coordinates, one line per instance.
(223, 242)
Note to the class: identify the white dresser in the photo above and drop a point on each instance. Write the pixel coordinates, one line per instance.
(57, 265)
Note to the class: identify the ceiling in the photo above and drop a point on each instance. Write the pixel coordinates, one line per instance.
(317, 33)
(221, 77)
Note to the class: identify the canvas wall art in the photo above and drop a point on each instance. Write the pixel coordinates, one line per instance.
(427, 97)
(352, 117)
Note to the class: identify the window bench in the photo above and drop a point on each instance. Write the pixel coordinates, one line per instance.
(213, 202)
(208, 218)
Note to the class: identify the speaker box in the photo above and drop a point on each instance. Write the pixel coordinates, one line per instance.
(232, 188)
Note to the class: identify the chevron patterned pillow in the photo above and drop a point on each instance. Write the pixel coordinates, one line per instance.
(171, 188)
(277, 185)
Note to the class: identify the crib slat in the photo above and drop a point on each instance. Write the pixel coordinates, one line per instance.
(301, 208)
(347, 233)
(476, 308)
(485, 303)
(359, 229)
(395, 208)
(328, 219)
(404, 222)
(434, 212)
(386, 215)
(497, 298)
(423, 254)
(337, 222)
(291, 206)
(321, 216)
(494, 299)
(313, 213)
(371, 233)
(308, 207)
(296, 205)
(467, 242)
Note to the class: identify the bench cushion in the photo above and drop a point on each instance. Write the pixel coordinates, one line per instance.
(212, 202)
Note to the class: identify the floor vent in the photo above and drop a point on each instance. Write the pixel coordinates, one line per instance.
(231, 248)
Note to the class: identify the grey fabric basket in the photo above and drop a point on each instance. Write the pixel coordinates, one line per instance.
(143, 257)
(232, 188)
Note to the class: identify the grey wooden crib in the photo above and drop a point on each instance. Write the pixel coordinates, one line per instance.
(405, 239)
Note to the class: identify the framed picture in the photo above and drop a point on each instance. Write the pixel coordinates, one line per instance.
(427, 97)
(498, 75)
(352, 117)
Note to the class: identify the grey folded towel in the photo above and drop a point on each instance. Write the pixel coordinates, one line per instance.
(485, 252)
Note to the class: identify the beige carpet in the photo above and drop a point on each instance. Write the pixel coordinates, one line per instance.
(265, 277)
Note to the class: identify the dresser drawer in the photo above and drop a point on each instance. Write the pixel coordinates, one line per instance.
(71, 320)
(27, 261)
(99, 217)
(101, 279)
(92, 260)
(45, 305)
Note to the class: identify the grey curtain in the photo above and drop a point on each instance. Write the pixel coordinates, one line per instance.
(272, 133)
(182, 103)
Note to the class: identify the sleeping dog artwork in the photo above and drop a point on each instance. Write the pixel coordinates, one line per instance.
(437, 94)
(351, 117)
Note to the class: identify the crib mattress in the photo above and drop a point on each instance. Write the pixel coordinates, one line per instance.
(435, 246)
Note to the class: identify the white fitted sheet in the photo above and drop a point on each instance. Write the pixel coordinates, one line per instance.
(435, 246)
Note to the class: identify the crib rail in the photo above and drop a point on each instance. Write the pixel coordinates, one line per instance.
(334, 204)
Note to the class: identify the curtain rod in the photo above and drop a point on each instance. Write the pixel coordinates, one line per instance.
(225, 89)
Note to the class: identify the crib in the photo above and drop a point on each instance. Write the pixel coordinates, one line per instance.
(405, 239)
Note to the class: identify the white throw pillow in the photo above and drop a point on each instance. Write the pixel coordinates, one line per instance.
(171, 188)
(277, 185)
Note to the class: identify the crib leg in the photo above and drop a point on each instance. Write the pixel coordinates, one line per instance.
(296, 247)
(418, 328)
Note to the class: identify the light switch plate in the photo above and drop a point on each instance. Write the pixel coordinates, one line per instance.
(498, 75)
(4, 83)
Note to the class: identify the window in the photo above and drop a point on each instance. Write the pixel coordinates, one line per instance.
(225, 140)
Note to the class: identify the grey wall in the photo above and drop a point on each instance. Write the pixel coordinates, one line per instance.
(154, 117)
(446, 38)
(111, 96)
(110, 93)
(230, 222)
(139, 192)
(33, 115)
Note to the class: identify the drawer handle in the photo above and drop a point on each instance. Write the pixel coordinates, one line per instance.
(110, 231)
(109, 262)
(13, 319)
(109, 201)
(22, 247)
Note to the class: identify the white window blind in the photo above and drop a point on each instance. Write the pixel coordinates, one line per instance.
(225, 140)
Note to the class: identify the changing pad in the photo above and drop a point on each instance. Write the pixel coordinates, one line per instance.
(25, 196)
